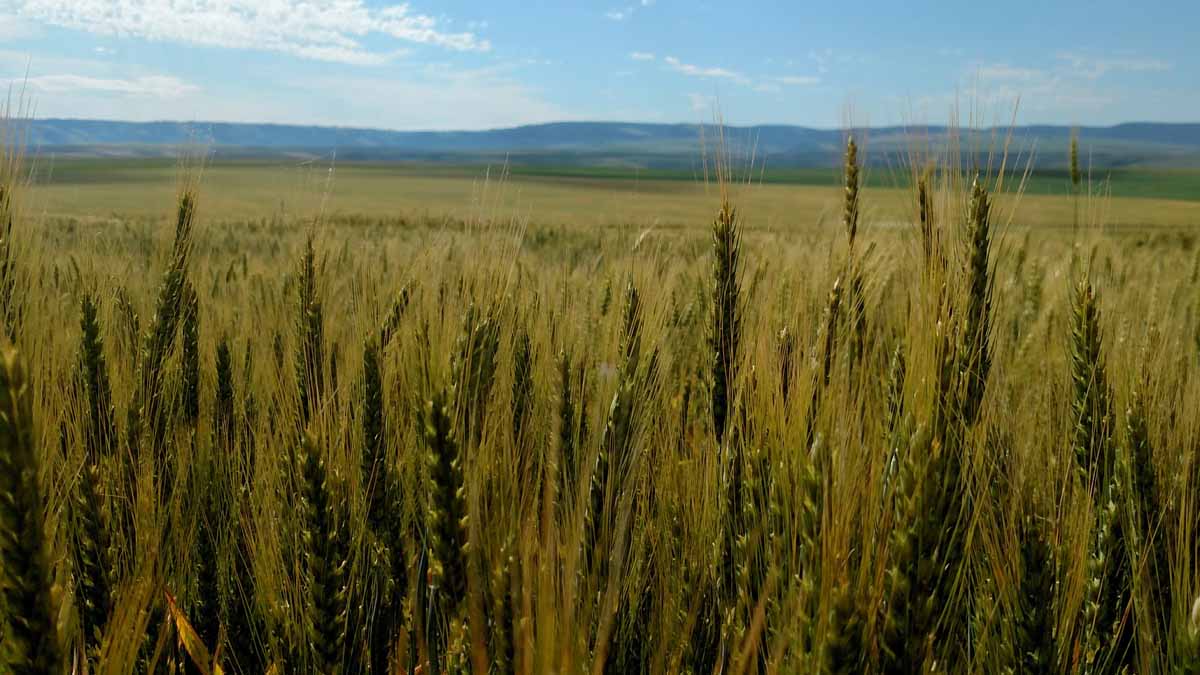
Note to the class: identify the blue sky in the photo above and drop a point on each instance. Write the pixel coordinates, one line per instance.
(470, 65)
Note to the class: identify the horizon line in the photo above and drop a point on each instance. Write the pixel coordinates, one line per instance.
(721, 124)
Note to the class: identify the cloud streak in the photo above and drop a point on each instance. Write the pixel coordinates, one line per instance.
(1070, 68)
(1094, 68)
(13, 27)
(154, 86)
(1002, 72)
(692, 70)
(623, 13)
(1071, 80)
(766, 85)
(322, 30)
(485, 98)
(798, 80)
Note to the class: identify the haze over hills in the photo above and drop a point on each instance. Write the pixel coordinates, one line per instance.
(606, 144)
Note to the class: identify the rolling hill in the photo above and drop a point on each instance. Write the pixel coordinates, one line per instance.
(600, 144)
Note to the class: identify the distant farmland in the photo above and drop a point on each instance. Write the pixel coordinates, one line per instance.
(579, 196)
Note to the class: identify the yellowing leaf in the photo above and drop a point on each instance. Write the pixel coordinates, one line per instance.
(190, 640)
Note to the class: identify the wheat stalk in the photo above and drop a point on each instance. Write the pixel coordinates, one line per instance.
(31, 642)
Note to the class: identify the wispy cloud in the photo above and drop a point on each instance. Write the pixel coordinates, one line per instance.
(452, 97)
(798, 80)
(323, 30)
(1002, 72)
(761, 84)
(1069, 81)
(1093, 68)
(693, 70)
(701, 103)
(13, 28)
(627, 12)
(641, 56)
(821, 58)
(1062, 85)
(481, 98)
(1067, 68)
(154, 86)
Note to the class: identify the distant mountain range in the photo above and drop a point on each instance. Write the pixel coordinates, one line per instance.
(608, 144)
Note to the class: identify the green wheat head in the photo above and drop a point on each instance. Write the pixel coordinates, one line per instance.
(31, 639)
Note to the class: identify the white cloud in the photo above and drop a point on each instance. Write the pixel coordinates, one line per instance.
(698, 71)
(774, 85)
(821, 58)
(994, 105)
(1063, 88)
(641, 56)
(700, 103)
(153, 86)
(765, 85)
(451, 98)
(627, 12)
(13, 28)
(798, 80)
(324, 30)
(1067, 84)
(484, 98)
(1095, 68)
(1002, 72)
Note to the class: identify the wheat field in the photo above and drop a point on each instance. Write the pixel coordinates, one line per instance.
(239, 190)
(351, 444)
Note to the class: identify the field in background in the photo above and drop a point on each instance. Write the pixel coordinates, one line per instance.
(583, 197)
